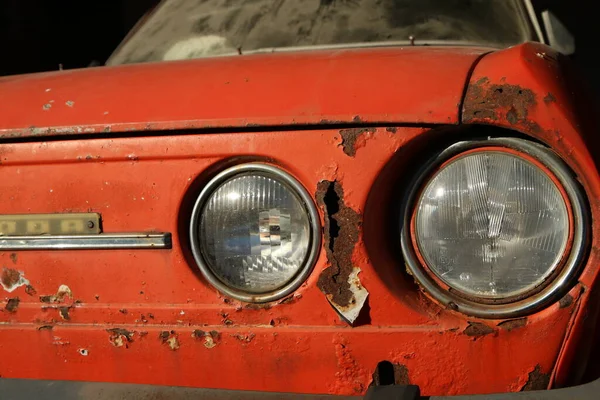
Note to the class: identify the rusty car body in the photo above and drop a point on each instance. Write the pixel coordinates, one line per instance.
(135, 145)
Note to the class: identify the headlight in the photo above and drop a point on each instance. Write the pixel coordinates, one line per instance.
(255, 232)
(496, 229)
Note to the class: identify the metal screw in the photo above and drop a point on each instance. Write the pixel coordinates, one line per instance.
(90, 224)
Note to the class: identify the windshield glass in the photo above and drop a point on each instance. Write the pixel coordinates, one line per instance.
(181, 29)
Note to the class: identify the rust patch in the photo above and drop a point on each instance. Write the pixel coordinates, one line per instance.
(513, 324)
(124, 311)
(30, 290)
(12, 305)
(244, 338)
(210, 339)
(350, 138)
(537, 380)
(477, 330)
(120, 337)
(10, 279)
(492, 101)
(64, 313)
(341, 235)
(339, 282)
(62, 293)
(387, 373)
(14, 258)
(391, 129)
(549, 98)
(257, 306)
(170, 339)
(565, 301)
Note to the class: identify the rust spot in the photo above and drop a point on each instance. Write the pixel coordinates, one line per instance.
(513, 324)
(120, 337)
(62, 293)
(14, 257)
(341, 229)
(391, 129)
(257, 306)
(97, 297)
(387, 373)
(244, 338)
(123, 311)
(565, 301)
(537, 380)
(210, 339)
(45, 328)
(492, 101)
(30, 290)
(350, 137)
(12, 305)
(549, 98)
(10, 279)
(169, 338)
(64, 313)
(477, 329)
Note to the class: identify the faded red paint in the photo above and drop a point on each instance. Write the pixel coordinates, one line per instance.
(289, 88)
(149, 183)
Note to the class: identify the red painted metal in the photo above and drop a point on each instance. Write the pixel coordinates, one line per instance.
(557, 117)
(149, 183)
(313, 87)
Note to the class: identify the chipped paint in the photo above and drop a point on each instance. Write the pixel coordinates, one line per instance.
(120, 337)
(83, 352)
(537, 380)
(340, 282)
(566, 301)
(11, 279)
(69, 103)
(170, 339)
(478, 329)
(210, 339)
(354, 138)
(63, 292)
(64, 312)
(513, 324)
(244, 338)
(492, 102)
(12, 305)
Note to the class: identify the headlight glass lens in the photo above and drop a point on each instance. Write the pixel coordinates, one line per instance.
(254, 232)
(492, 224)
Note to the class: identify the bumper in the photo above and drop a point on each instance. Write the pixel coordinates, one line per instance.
(20, 389)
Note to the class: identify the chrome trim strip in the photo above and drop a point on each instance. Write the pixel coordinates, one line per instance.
(105, 241)
(560, 284)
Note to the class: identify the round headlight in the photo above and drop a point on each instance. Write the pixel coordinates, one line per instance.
(255, 233)
(495, 223)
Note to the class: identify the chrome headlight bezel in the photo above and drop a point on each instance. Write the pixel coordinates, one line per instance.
(312, 214)
(548, 292)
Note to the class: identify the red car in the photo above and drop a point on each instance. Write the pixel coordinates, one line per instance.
(343, 197)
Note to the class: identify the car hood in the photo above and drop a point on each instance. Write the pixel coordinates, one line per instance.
(412, 85)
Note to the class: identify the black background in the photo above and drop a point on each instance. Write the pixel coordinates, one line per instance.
(38, 35)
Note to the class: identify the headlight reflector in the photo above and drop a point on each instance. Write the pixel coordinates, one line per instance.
(492, 224)
(255, 232)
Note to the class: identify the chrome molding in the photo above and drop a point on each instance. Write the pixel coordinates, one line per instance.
(550, 293)
(105, 241)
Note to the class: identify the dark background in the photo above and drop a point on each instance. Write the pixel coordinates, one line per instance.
(38, 35)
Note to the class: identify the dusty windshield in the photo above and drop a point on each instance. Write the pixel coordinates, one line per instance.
(181, 29)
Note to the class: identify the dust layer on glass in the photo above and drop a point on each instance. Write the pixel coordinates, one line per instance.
(254, 233)
(492, 224)
(183, 29)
